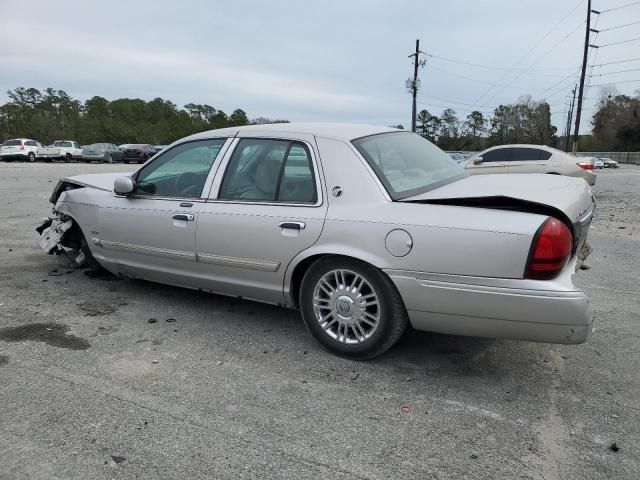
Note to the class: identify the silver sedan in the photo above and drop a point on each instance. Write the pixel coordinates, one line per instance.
(362, 228)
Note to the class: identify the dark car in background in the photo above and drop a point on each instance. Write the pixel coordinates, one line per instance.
(138, 153)
(101, 152)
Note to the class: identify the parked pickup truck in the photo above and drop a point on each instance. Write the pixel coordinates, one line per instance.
(66, 150)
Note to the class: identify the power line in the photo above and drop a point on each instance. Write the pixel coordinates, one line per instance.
(619, 26)
(619, 61)
(613, 73)
(445, 99)
(618, 8)
(536, 61)
(493, 67)
(527, 54)
(429, 65)
(616, 43)
(615, 83)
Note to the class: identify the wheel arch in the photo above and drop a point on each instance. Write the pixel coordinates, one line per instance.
(299, 266)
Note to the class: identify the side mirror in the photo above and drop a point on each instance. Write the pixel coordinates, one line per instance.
(477, 160)
(123, 185)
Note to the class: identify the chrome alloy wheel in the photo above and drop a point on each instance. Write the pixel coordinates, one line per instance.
(346, 306)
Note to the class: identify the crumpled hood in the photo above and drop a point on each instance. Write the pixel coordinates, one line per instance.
(571, 196)
(103, 181)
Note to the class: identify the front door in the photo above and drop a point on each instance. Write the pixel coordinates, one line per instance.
(151, 232)
(266, 207)
(493, 161)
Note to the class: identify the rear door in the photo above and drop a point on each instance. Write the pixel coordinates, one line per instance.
(528, 160)
(266, 206)
(493, 161)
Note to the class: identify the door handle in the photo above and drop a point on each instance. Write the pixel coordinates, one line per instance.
(293, 225)
(187, 217)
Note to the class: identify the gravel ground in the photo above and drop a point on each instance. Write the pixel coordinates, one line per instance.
(233, 389)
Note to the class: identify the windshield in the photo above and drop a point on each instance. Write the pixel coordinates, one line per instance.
(407, 164)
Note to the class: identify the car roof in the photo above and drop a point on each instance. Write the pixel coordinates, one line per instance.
(338, 131)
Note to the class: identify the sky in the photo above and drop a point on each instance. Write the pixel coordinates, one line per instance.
(321, 60)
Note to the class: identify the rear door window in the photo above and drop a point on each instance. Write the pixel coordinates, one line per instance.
(269, 171)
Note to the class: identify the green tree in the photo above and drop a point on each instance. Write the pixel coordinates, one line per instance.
(427, 125)
(238, 118)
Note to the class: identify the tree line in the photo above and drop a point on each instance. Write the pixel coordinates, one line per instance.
(616, 126)
(53, 114)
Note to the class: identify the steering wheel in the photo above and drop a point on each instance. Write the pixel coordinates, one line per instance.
(187, 185)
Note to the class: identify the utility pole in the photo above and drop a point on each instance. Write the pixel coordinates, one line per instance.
(413, 85)
(582, 74)
(569, 118)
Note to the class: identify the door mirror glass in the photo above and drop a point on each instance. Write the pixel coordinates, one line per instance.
(123, 185)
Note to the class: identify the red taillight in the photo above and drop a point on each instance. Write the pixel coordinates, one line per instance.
(21, 145)
(550, 250)
(585, 165)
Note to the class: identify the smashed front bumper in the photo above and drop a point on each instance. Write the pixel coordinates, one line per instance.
(52, 237)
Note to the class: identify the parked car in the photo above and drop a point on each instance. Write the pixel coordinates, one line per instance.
(362, 228)
(20, 149)
(66, 150)
(102, 152)
(159, 148)
(609, 163)
(138, 153)
(531, 159)
(598, 163)
(457, 157)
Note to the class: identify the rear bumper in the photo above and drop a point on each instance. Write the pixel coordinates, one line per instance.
(507, 309)
(13, 156)
(89, 157)
(587, 175)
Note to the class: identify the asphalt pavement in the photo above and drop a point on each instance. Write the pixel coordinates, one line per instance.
(109, 378)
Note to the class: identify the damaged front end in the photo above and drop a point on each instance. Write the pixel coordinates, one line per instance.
(61, 236)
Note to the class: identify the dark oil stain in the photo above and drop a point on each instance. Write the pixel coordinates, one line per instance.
(52, 334)
(4, 359)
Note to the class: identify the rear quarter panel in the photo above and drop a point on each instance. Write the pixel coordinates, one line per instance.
(445, 239)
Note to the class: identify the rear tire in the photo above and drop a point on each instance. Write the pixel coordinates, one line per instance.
(31, 157)
(67, 158)
(352, 308)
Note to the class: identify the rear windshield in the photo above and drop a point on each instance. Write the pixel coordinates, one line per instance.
(98, 145)
(407, 164)
(11, 143)
(61, 143)
(137, 146)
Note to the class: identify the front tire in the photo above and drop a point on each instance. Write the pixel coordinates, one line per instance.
(31, 157)
(353, 309)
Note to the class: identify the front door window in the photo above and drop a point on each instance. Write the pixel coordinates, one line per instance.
(180, 172)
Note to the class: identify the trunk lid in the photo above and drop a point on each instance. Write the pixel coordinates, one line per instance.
(567, 198)
(570, 196)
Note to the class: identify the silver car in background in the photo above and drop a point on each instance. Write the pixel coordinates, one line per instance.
(531, 159)
(102, 152)
(362, 228)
